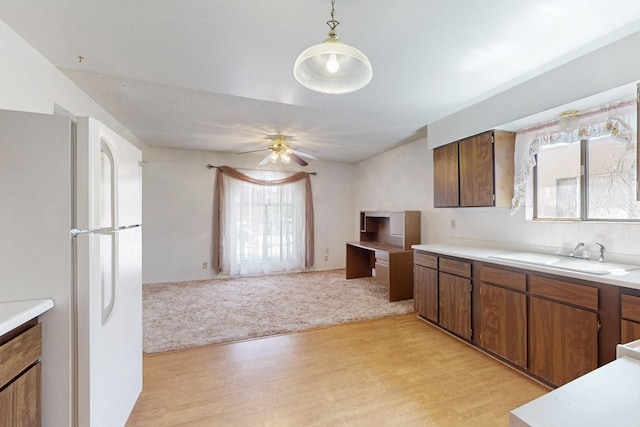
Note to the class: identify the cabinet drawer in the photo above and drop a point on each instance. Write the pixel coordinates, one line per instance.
(382, 256)
(20, 353)
(506, 278)
(425, 260)
(631, 307)
(459, 268)
(382, 273)
(572, 293)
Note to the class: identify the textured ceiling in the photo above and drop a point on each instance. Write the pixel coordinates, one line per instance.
(217, 75)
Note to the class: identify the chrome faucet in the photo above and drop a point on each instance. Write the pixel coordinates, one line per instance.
(602, 248)
(578, 246)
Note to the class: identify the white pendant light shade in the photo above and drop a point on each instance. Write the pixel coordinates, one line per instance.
(333, 67)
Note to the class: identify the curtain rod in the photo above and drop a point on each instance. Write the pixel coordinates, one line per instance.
(210, 166)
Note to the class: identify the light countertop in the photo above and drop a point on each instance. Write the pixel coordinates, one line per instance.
(630, 279)
(606, 396)
(15, 313)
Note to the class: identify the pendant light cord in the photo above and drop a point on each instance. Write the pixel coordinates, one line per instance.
(333, 23)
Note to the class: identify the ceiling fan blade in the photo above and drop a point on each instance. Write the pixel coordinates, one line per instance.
(297, 159)
(254, 151)
(303, 154)
(265, 160)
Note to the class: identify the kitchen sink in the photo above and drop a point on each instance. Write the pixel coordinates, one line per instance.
(566, 263)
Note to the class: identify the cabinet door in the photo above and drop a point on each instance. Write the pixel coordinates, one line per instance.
(563, 341)
(425, 292)
(7, 406)
(476, 170)
(504, 323)
(396, 223)
(27, 398)
(20, 401)
(629, 331)
(445, 176)
(455, 304)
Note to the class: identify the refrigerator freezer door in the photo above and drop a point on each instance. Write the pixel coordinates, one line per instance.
(109, 275)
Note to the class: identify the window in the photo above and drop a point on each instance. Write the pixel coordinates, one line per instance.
(264, 222)
(557, 181)
(593, 178)
(264, 227)
(611, 172)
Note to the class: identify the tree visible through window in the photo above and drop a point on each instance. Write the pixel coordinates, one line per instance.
(590, 179)
(612, 179)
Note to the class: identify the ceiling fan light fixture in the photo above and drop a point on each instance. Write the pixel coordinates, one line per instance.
(333, 67)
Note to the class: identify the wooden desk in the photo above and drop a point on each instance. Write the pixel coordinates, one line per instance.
(393, 264)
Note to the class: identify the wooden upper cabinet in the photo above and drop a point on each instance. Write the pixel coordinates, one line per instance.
(445, 176)
(475, 171)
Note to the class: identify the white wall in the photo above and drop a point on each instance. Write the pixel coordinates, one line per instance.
(614, 65)
(178, 211)
(29, 82)
(396, 181)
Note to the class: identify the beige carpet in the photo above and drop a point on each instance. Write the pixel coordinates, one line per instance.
(189, 314)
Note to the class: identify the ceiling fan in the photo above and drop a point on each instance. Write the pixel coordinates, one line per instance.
(282, 151)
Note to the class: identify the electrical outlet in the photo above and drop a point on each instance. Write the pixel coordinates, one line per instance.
(326, 257)
(205, 265)
(453, 224)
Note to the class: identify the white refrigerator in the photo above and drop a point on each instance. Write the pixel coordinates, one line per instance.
(70, 230)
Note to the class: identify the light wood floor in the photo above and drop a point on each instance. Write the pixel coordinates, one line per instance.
(396, 371)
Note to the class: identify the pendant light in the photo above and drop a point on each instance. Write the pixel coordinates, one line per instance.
(333, 67)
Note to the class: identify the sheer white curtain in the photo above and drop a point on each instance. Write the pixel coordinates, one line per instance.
(263, 228)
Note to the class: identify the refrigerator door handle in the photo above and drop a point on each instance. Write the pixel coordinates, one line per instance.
(106, 230)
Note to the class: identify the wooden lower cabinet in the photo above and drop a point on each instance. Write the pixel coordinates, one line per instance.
(503, 314)
(630, 321)
(548, 326)
(455, 304)
(425, 292)
(20, 401)
(563, 340)
(629, 331)
(20, 376)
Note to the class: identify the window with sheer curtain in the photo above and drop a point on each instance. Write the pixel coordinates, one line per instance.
(265, 225)
(584, 172)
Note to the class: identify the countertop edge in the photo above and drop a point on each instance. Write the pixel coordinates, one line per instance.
(16, 313)
(630, 280)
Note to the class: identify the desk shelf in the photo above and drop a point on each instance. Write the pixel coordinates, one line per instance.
(385, 246)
